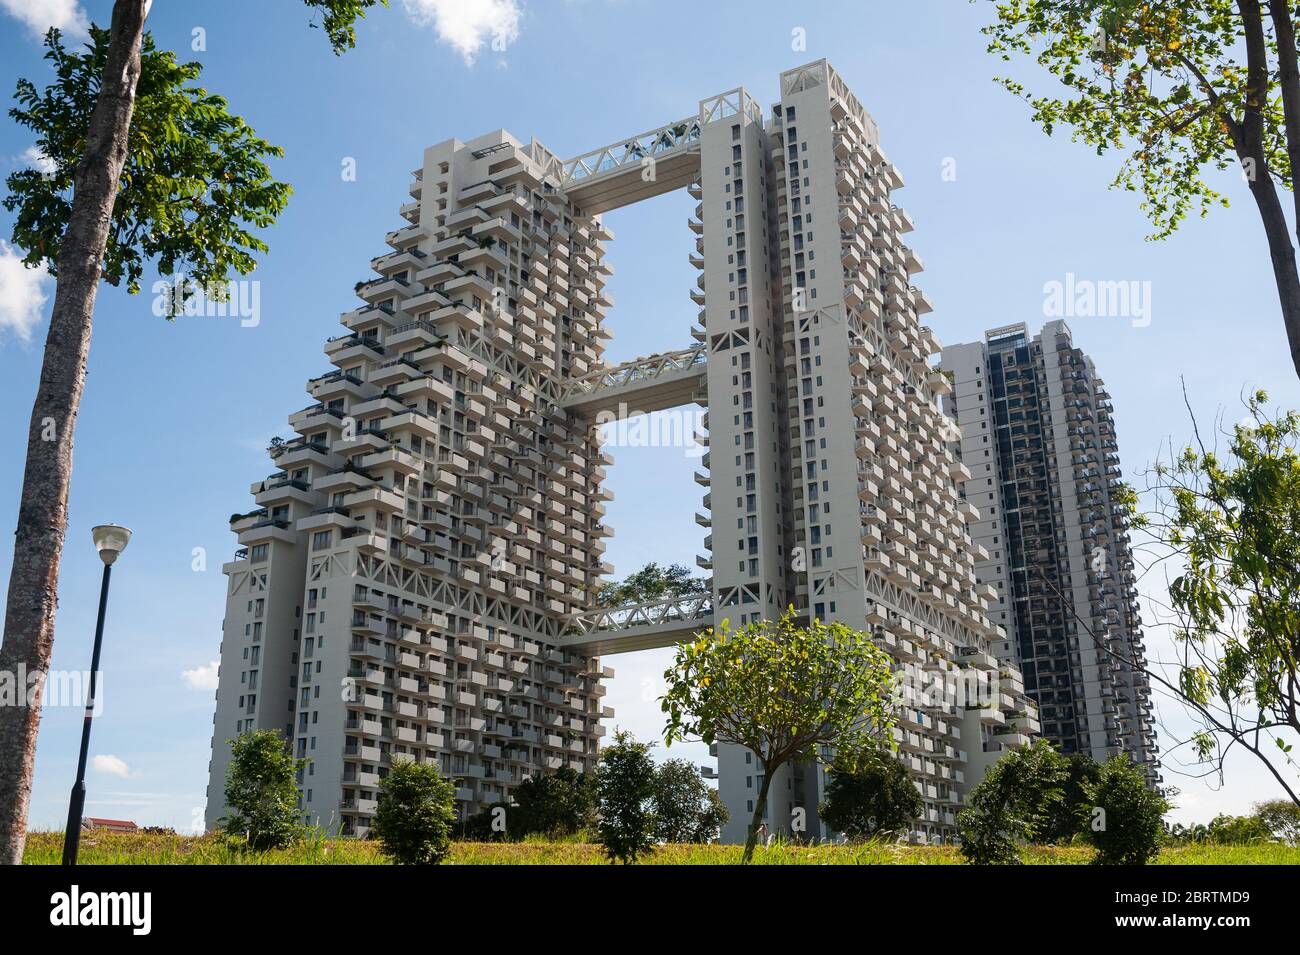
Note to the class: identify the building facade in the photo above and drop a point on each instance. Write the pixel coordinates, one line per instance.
(847, 448)
(397, 588)
(416, 580)
(1038, 438)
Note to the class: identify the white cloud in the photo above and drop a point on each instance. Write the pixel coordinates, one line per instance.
(467, 25)
(22, 293)
(40, 15)
(107, 763)
(201, 677)
(34, 157)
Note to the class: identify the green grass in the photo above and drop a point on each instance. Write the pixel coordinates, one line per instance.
(115, 848)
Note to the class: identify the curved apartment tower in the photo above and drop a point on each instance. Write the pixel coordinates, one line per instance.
(416, 580)
(399, 588)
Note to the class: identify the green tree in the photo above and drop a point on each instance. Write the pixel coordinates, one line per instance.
(487, 825)
(1226, 830)
(625, 789)
(1282, 818)
(1177, 87)
(155, 168)
(1181, 835)
(1013, 804)
(784, 691)
(686, 808)
(1230, 522)
(261, 793)
(561, 803)
(1068, 815)
(1128, 820)
(415, 814)
(651, 583)
(871, 796)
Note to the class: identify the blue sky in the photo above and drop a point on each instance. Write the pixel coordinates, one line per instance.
(176, 416)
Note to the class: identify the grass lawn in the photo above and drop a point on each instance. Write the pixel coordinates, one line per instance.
(116, 848)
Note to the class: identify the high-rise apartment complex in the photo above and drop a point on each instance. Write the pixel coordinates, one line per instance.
(1038, 438)
(416, 580)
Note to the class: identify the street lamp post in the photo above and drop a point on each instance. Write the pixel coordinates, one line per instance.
(110, 541)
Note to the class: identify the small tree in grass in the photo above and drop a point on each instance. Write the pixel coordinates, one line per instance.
(686, 808)
(415, 813)
(261, 793)
(783, 691)
(1128, 818)
(625, 788)
(1015, 802)
(871, 796)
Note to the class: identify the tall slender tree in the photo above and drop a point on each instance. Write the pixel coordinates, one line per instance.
(185, 199)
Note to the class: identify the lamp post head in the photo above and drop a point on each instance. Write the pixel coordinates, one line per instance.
(110, 540)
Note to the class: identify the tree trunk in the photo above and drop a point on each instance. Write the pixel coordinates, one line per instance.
(1248, 137)
(760, 806)
(1288, 70)
(1289, 83)
(43, 507)
(1282, 254)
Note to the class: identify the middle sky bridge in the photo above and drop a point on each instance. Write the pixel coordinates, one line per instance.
(661, 623)
(639, 386)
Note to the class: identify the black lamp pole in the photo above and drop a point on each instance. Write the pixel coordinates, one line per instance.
(77, 803)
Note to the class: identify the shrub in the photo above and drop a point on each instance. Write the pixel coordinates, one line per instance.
(871, 796)
(261, 793)
(485, 826)
(1228, 830)
(1067, 817)
(686, 808)
(555, 804)
(1282, 817)
(625, 787)
(415, 814)
(1014, 803)
(1129, 827)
